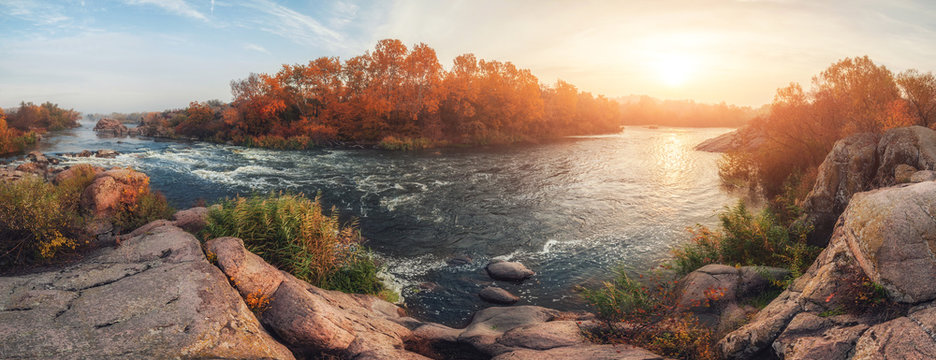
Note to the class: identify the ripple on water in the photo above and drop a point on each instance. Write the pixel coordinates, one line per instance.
(569, 210)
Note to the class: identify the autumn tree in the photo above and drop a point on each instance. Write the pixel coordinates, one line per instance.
(920, 91)
(852, 95)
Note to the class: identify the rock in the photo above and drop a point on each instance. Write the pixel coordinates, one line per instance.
(864, 162)
(893, 237)
(153, 297)
(191, 220)
(809, 336)
(747, 138)
(848, 169)
(429, 286)
(107, 154)
(923, 175)
(32, 168)
(509, 271)
(75, 171)
(112, 189)
(714, 293)
(459, 260)
(497, 295)
(903, 173)
(901, 338)
(37, 157)
(251, 275)
(544, 336)
(886, 235)
(84, 153)
(582, 352)
(112, 127)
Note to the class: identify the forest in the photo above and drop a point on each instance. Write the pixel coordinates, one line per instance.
(21, 126)
(399, 97)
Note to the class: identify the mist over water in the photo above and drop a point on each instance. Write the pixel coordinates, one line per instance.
(570, 210)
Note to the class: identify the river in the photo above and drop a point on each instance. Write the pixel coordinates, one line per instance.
(570, 210)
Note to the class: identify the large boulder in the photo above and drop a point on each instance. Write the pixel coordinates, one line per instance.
(717, 294)
(864, 162)
(191, 220)
(155, 296)
(885, 236)
(113, 189)
(112, 127)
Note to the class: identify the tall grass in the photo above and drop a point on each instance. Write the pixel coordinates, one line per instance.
(295, 234)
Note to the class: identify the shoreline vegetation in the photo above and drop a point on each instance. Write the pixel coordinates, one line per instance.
(23, 126)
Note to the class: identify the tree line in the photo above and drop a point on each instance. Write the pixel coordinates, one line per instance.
(397, 93)
(21, 126)
(645, 110)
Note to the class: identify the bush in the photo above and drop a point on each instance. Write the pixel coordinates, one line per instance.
(747, 239)
(37, 220)
(293, 233)
(149, 206)
(645, 315)
(405, 144)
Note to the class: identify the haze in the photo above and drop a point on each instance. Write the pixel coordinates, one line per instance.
(139, 55)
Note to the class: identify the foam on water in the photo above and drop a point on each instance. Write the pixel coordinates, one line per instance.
(570, 210)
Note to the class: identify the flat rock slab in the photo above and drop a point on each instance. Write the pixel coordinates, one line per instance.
(156, 296)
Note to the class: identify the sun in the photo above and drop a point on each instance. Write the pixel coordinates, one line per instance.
(675, 70)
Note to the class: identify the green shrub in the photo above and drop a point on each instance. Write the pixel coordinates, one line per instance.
(747, 239)
(624, 298)
(405, 144)
(293, 233)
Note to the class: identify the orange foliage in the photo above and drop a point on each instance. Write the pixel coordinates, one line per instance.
(851, 96)
(395, 91)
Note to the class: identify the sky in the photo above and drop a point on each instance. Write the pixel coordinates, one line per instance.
(150, 55)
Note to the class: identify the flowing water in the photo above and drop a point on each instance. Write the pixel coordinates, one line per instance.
(569, 210)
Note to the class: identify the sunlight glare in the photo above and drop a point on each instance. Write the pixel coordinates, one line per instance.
(675, 69)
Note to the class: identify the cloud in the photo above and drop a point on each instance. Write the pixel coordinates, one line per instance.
(295, 26)
(178, 7)
(257, 48)
(35, 12)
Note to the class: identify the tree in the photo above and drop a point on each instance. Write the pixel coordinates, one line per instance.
(920, 90)
(853, 94)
